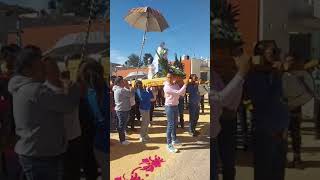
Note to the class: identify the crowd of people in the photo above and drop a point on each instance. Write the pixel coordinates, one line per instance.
(134, 102)
(277, 88)
(57, 126)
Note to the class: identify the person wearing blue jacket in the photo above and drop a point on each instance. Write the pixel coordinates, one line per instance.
(194, 104)
(97, 97)
(145, 98)
(270, 115)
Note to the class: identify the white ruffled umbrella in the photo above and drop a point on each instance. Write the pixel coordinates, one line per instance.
(148, 20)
(136, 75)
(72, 44)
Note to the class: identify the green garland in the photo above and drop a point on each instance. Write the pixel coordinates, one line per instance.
(166, 68)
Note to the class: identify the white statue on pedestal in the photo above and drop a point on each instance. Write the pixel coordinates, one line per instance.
(163, 52)
(151, 69)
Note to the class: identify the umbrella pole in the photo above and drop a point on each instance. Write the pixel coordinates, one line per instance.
(141, 50)
(84, 46)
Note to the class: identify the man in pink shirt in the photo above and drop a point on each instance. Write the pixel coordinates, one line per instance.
(172, 93)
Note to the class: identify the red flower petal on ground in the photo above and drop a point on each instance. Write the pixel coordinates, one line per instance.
(135, 177)
(149, 164)
(148, 168)
(157, 161)
(120, 178)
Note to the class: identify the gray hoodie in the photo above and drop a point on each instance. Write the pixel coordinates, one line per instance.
(39, 117)
(122, 98)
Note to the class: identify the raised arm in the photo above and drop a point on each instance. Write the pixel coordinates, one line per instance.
(230, 96)
(169, 90)
(59, 102)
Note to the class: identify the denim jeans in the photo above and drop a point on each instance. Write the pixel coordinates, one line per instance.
(132, 116)
(151, 110)
(103, 162)
(317, 112)
(181, 105)
(72, 160)
(172, 113)
(269, 156)
(10, 165)
(88, 160)
(181, 109)
(123, 117)
(227, 144)
(214, 160)
(194, 110)
(40, 168)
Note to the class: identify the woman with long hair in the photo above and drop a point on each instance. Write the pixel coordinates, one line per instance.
(88, 161)
(97, 98)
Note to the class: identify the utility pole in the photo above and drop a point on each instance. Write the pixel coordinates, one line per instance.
(92, 7)
(19, 31)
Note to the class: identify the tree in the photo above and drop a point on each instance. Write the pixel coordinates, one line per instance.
(176, 60)
(133, 61)
(146, 59)
(224, 18)
(82, 7)
(178, 63)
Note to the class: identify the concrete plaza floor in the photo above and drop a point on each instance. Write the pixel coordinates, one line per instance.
(191, 162)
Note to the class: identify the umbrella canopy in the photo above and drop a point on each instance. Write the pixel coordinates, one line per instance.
(146, 19)
(136, 75)
(72, 44)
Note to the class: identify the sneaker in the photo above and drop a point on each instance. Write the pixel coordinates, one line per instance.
(176, 142)
(143, 139)
(171, 148)
(125, 142)
(196, 133)
(191, 133)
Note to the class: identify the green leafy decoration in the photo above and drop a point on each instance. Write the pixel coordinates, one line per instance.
(164, 66)
(224, 18)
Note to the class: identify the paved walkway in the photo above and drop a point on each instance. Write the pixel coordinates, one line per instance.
(310, 156)
(190, 165)
(192, 161)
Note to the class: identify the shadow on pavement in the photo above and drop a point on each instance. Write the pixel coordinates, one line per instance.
(308, 150)
(311, 164)
(118, 151)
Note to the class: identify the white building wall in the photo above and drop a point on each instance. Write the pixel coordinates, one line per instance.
(316, 10)
(195, 67)
(273, 22)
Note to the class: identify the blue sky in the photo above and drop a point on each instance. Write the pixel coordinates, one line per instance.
(189, 31)
(35, 4)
